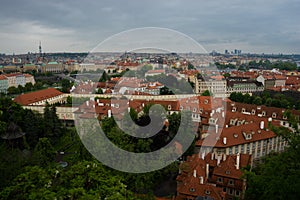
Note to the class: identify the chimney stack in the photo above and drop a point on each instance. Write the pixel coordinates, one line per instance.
(262, 125)
(195, 173)
(202, 155)
(224, 140)
(224, 157)
(238, 161)
(217, 128)
(201, 180)
(109, 113)
(212, 156)
(207, 170)
(218, 160)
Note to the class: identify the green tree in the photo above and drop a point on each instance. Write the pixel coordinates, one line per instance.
(28, 87)
(257, 100)
(206, 93)
(279, 176)
(44, 152)
(21, 88)
(13, 90)
(105, 77)
(66, 85)
(52, 125)
(99, 91)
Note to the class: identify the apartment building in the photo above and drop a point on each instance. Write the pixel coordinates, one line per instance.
(215, 84)
(244, 129)
(212, 176)
(243, 85)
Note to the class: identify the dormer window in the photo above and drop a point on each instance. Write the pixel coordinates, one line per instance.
(243, 110)
(284, 117)
(234, 109)
(192, 189)
(263, 113)
(211, 120)
(169, 107)
(194, 109)
(273, 115)
(207, 192)
(253, 112)
(181, 108)
(205, 101)
(227, 172)
(249, 136)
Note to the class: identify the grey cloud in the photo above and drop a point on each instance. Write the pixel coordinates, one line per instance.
(268, 26)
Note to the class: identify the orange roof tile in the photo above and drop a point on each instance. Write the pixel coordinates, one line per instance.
(32, 97)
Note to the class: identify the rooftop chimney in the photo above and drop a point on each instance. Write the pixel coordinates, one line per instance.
(109, 113)
(202, 155)
(217, 128)
(238, 161)
(223, 114)
(262, 125)
(212, 156)
(201, 180)
(218, 160)
(207, 170)
(224, 140)
(195, 173)
(224, 157)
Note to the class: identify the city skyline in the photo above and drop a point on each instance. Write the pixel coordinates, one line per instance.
(76, 26)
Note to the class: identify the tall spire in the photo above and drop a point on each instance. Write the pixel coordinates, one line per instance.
(40, 49)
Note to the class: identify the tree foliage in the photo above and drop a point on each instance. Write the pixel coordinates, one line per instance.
(276, 100)
(279, 176)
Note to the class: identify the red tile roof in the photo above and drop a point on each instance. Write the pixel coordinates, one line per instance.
(2, 77)
(189, 184)
(32, 97)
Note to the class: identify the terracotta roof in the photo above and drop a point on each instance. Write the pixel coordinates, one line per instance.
(189, 180)
(32, 97)
(12, 75)
(237, 135)
(28, 75)
(194, 189)
(2, 77)
(228, 168)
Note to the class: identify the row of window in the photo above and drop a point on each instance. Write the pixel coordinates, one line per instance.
(266, 148)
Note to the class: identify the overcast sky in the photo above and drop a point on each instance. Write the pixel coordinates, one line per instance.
(270, 26)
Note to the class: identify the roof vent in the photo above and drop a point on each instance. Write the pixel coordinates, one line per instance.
(224, 140)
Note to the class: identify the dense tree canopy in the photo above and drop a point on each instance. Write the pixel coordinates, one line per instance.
(279, 176)
(32, 169)
(266, 98)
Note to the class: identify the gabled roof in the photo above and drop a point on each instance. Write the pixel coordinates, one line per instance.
(32, 97)
(229, 169)
(2, 77)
